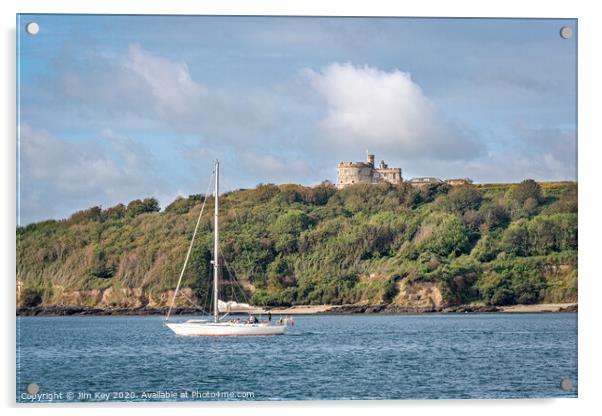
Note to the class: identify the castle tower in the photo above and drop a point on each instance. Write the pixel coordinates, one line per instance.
(370, 159)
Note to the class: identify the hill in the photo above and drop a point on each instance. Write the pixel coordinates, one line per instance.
(435, 245)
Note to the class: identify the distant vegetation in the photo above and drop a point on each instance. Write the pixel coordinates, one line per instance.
(289, 244)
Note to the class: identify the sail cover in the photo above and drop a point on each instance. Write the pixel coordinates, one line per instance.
(232, 306)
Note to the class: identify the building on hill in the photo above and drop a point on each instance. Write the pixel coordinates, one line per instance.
(425, 180)
(429, 180)
(349, 173)
(459, 181)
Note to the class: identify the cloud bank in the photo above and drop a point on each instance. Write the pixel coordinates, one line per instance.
(294, 130)
(58, 177)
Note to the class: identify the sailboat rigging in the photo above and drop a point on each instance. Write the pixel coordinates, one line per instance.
(218, 326)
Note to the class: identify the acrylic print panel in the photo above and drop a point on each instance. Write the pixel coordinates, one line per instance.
(397, 210)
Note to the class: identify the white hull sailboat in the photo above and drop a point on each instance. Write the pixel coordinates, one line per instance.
(224, 329)
(218, 326)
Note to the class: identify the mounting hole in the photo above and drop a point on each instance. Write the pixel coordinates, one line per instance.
(566, 32)
(32, 28)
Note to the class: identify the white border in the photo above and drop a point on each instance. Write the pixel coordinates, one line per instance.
(590, 24)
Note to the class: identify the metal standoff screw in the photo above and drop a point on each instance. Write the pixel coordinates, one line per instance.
(32, 28)
(566, 32)
(566, 384)
(32, 388)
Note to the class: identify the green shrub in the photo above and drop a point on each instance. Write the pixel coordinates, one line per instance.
(526, 190)
(541, 235)
(449, 237)
(30, 297)
(137, 207)
(486, 249)
(461, 199)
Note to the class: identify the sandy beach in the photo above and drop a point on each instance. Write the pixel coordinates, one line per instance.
(314, 309)
(542, 307)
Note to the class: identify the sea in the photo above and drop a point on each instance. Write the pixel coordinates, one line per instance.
(322, 357)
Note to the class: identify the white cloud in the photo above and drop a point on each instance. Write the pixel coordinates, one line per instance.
(173, 89)
(139, 84)
(387, 111)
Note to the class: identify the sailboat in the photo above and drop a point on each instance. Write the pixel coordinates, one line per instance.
(218, 326)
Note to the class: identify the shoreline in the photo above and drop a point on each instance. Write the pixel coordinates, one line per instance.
(390, 309)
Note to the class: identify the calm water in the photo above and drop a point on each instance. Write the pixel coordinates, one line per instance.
(322, 357)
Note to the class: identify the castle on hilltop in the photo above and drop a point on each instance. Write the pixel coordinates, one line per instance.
(349, 173)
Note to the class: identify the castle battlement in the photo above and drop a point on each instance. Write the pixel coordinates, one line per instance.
(354, 164)
(349, 173)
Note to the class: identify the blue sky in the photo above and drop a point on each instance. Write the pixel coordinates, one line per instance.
(114, 108)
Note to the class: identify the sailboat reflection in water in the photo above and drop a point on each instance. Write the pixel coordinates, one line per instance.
(218, 326)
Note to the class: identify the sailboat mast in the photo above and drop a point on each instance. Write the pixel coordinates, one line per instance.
(216, 246)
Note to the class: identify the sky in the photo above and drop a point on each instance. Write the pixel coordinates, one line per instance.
(115, 108)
